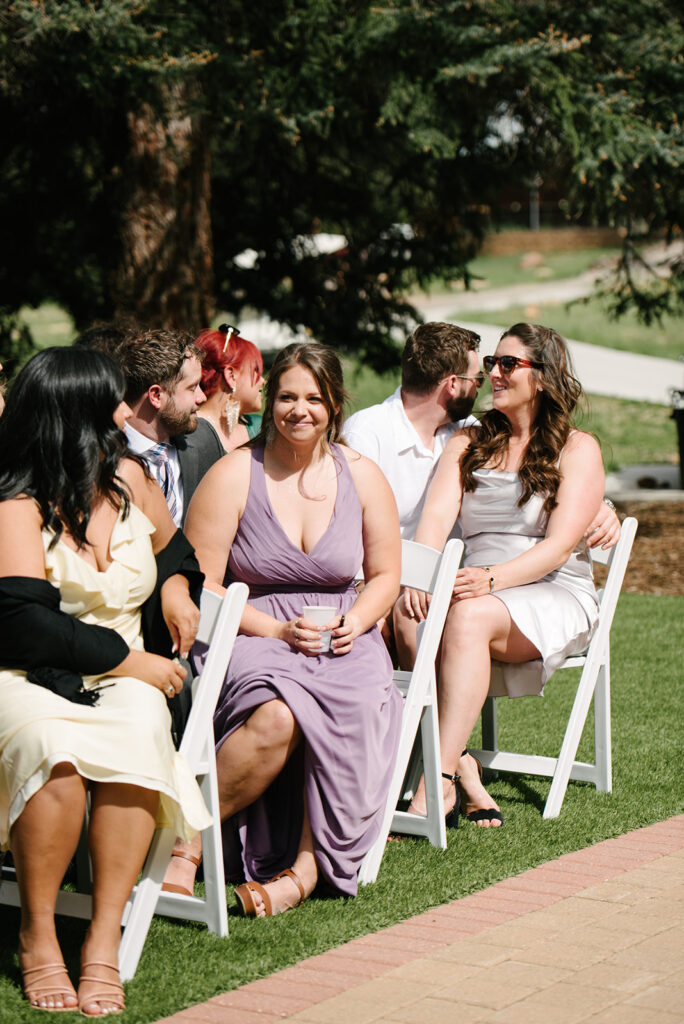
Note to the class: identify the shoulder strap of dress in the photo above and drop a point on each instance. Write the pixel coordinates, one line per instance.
(560, 453)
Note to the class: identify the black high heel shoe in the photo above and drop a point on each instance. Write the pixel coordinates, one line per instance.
(484, 813)
(451, 819)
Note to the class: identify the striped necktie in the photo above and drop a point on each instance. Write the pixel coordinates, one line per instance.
(158, 455)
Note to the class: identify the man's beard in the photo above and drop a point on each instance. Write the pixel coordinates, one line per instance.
(459, 408)
(176, 422)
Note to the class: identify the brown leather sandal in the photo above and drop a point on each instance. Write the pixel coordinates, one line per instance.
(112, 991)
(173, 886)
(40, 985)
(244, 895)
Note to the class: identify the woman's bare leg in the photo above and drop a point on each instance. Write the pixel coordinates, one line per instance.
(476, 630)
(246, 765)
(43, 840)
(121, 826)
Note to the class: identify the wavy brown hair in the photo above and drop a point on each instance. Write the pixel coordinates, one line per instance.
(539, 473)
(324, 366)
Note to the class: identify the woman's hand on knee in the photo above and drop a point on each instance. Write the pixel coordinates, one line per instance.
(472, 582)
(415, 603)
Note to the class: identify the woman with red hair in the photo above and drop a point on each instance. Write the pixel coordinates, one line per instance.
(232, 381)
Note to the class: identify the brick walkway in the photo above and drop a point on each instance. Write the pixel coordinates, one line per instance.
(595, 935)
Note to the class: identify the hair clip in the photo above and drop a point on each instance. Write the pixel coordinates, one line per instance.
(229, 332)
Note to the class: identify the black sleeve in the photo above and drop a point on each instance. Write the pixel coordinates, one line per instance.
(176, 559)
(34, 633)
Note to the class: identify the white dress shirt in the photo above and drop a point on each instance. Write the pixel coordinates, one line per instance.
(385, 434)
(140, 444)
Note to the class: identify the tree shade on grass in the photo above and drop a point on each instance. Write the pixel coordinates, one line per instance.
(143, 151)
(182, 964)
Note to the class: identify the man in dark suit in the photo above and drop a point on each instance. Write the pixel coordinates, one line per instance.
(163, 388)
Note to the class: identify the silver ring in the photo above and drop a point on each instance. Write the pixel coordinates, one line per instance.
(170, 691)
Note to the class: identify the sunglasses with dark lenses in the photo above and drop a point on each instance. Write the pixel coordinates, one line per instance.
(507, 364)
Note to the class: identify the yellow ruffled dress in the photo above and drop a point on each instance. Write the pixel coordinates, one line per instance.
(126, 736)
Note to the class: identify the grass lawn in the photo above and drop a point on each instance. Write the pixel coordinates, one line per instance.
(182, 964)
(589, 322)
(501, 271)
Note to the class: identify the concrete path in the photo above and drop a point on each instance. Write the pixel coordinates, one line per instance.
(595, 935)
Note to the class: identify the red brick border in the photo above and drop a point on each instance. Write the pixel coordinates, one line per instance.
(288, 991)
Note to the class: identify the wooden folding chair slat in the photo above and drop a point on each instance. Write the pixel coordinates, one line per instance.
(434, 572)
(594, 683)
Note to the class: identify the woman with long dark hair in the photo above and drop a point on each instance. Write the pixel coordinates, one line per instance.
(306, 737)
(82, 704)
(525, 486)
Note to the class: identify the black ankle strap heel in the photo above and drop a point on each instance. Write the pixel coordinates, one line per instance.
(451, 820)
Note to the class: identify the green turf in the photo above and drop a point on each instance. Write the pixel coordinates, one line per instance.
(183, 964)
(630, 432)
(501, 271)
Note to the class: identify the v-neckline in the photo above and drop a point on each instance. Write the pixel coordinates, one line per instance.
(112, 563)
(307, 554)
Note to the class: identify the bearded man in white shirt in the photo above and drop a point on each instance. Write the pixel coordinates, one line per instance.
(406, 434)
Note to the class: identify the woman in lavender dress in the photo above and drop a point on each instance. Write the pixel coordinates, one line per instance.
(305, 739)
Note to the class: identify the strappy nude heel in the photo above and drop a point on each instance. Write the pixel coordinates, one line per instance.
(111, 992)
(39, 985)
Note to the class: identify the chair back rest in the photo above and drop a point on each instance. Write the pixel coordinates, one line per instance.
(616, 558)
(433, 571)
(219, 623)
(419, 566)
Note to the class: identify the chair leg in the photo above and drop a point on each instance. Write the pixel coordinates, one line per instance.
(144, 902)
(368, 872)
(490, 735)
(573, 734)
(602, 730)
(432, 772)
(212, 857)
(490, 731)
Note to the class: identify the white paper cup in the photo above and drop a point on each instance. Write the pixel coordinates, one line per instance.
(320, 614)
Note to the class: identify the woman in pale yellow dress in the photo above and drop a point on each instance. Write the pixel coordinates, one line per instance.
(82, 704)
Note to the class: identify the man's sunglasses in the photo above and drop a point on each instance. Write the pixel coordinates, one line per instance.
(507, 364)
(478, 378)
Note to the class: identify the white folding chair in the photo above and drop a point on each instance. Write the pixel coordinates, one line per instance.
(435, 572)
(219, 623)
(594, 682)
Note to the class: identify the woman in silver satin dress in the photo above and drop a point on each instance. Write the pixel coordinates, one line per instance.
(525, 486)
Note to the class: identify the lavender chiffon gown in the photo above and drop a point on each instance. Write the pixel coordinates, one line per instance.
(347, 707)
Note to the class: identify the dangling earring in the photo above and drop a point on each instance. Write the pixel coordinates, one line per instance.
(231, 412)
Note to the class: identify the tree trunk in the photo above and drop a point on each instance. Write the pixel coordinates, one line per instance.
(165, 275)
